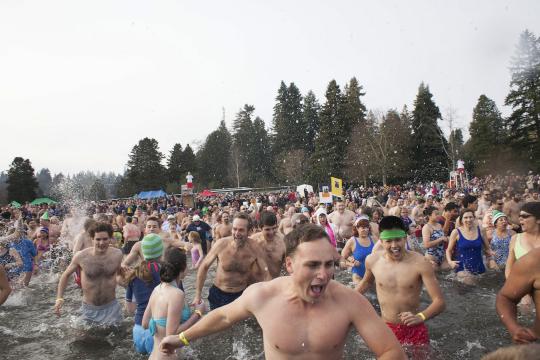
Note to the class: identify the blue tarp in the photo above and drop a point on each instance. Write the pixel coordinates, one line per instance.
(151, 194)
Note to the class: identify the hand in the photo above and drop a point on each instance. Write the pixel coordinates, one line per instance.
(444, 238)
(169, 344)
(196, 301)
(357, 263)
(57, 306)
(410, 319)
(453, 264)
(201, 306)
(523, 335)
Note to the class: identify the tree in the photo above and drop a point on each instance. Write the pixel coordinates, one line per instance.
(175, 164)
(429, 146)
(524, 98)
(487, 137)
(261, 150)
(455, 141)
(144, 168)
(97, 191)
(280, 119)
(190, 162)
(44, 181)
(215, 158)
(3, 188)
(310, 113)
(288, 121)
(243, 134)
(328, 158)
(22, 183)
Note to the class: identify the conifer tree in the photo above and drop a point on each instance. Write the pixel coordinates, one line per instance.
(22, 183)
(144, 169)
(175, 165)
(215, 158)
(310, 113)
(524, 98)
(429, 146)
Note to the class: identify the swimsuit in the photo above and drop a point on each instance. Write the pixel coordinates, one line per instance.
(43, 248)
(218, 297)
(108, 314)
(470, 254)
(501, 247)
(8, 259)
(410, 335)
(195, 256)
(360, 254)
(437, 251)
(519, 250)
(162, 322)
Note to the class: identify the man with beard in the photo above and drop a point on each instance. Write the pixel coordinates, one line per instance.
(319, 311)
(399, 275)
(238, 257)
(224, 227)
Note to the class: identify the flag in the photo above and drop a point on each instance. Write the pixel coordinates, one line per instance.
(336, 186)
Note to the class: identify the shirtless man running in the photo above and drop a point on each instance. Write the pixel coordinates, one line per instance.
(271, 242)
(224, 228)
(308, 304)
(399, 275)
(286, 225)
(238, 257)
(343, 221)
(99, 265)
(83, 240)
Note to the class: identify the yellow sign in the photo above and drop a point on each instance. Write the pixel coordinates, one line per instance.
(336, 186)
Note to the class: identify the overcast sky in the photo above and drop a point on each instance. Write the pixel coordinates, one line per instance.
(81, 82)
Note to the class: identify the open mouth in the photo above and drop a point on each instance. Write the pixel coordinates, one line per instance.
(317, 290)
(395, 251)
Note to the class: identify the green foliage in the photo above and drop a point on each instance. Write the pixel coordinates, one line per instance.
(215, 156)
(524, 98)
(97, 191)
(44, 181)
(310, 114)
(22, 183)
(429, 146)
(175, 165)
(144, 168)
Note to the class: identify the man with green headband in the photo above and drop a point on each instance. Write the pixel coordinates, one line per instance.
(399, 275)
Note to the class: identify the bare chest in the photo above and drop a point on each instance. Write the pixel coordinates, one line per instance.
(396, 277)
(239, 261)
(98, 268)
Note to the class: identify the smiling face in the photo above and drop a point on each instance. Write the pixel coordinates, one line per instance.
(269, 231)
(395, 248)
(468, 219)
(311, 267)
(240, 230)
(152, 227)
(101, 242)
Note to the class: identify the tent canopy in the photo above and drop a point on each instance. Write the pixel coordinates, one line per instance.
(300, 189)
(151, 194)
(207, 193)
(15, 204)
(40, 201)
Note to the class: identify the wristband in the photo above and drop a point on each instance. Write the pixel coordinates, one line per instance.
(422, 316)
(183, 339)
(198, 312)
(59, 299)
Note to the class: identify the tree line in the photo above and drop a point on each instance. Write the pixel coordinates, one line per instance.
(309, 141)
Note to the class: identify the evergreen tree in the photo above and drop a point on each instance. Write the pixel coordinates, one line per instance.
(144, 168)
(261, 150)
(243, 135)
(487, 137)
(328, 158)
(22, 183)
(44, 182)
(190, 163)
(310, 113)
(280, 119)
(175, 165)
(296, 128)
(354, 111)
(215, 158)
(524, 97)
(97, 191)
(429, 146)
(455, 143)
(3, 188)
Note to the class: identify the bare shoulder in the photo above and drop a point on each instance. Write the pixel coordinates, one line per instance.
(221, 243)
(372, 258)
(420, 261)
(346, 296)
(261, 292)
(116, 253)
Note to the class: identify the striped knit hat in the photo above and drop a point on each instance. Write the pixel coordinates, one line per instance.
(496, 215)
(151, 246)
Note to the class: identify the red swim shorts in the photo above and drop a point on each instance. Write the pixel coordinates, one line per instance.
(77, 276)
(410, 335)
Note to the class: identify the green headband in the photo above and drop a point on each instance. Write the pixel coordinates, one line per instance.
(392, 234)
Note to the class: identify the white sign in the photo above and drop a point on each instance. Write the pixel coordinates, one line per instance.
(325, 197)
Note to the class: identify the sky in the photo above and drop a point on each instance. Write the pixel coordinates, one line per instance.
(81, 82)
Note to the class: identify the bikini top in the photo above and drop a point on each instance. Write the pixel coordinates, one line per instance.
(519, 250)
(162, 322)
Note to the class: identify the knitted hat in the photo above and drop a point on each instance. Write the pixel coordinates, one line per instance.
(151, 246)
(496, 215)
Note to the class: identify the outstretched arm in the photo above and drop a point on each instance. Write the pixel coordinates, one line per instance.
(63, 283)
(203, 269)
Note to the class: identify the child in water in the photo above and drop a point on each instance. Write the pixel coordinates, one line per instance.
(196, 251)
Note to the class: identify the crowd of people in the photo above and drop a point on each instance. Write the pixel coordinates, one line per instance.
(275, 255)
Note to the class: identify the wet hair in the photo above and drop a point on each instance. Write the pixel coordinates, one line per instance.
(532, 208)
(467, 200)
(129, 219)
(244, 216)
(515, 352)
(392, 222)
(153, 218)
(463, 213)
(88, 224)
(429, 210)
(101, 227)
(301, 234)
(451, 206)
(194, 237)
(174, 262)
(268, 218)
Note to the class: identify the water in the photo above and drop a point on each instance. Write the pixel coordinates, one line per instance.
(467, 329)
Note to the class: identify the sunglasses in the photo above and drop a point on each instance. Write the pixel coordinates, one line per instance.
(525, 216)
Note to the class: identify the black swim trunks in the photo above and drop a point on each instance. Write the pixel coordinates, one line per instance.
(218, 297)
